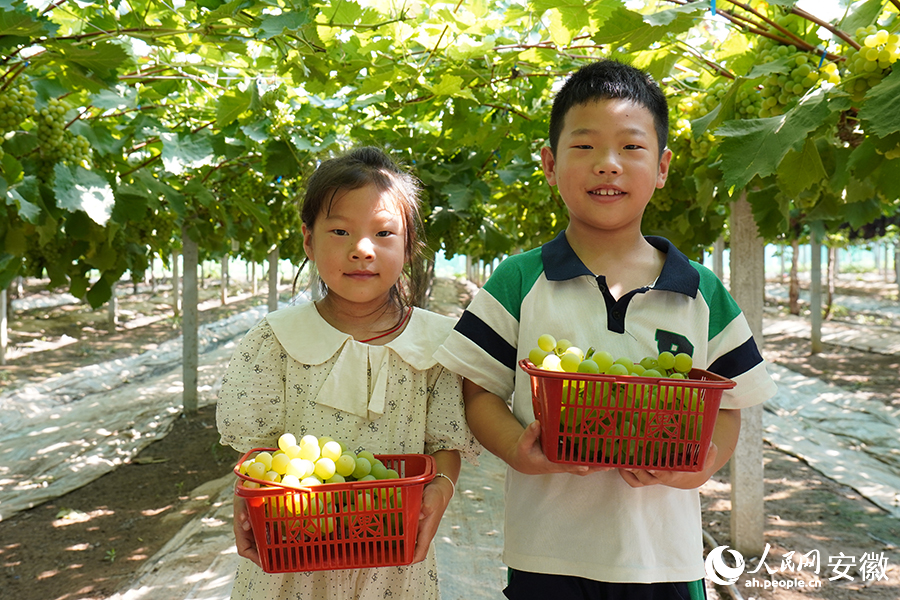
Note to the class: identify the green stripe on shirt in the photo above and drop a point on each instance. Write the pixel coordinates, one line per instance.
(520, 272)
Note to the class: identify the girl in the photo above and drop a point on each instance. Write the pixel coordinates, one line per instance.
(355, 365)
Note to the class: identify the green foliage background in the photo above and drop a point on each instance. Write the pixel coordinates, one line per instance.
(210, 114)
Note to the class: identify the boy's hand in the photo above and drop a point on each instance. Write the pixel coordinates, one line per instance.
(529, 457)
(243, 535)
(501, 434)
(677, 479)
(725, 437)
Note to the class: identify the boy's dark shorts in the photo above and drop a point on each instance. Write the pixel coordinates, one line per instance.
(541, 586)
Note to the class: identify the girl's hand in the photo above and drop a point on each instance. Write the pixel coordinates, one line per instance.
(677, 479)
(243, 535)
(435, 499)
(529, 457)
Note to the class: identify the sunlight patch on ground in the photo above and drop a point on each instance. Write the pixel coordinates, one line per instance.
(24, 348)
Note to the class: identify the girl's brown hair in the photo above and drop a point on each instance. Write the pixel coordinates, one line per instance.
(371, 166)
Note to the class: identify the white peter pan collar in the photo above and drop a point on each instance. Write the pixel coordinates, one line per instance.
(311, 340)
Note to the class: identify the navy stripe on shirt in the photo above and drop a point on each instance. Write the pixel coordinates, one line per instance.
(487, 339)
(738, 361)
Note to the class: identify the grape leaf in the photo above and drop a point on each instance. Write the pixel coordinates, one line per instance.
(755, 147)
(859, 214)
(22, 23)
(862, 16)
(879, 111)
(99, 293)
(230, 106)
(626, 27)
(26, 197)
(864, 159)
(182, 152)
(771, 211)
(131, 203)
(77, 188)
(670, 15)
(886, 180)
(9, 268)
(273, 25)
(256, 209)
(801, 170)
(460, 195)
(451, 85)
(279, 159)
(101, 58)
(724, 111)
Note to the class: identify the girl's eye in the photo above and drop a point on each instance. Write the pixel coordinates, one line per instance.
(384, 233)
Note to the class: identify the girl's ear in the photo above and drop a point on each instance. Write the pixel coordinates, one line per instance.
(307, 241)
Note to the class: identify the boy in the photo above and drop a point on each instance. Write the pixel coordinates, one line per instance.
(573, 531)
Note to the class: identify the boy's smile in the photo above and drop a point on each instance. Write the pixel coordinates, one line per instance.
(607, 164)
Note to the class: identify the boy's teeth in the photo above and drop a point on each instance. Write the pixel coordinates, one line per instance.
(606, 192)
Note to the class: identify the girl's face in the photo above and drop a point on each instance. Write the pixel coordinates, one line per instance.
(360, 246)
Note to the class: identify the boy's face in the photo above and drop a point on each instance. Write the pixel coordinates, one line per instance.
(607, 164)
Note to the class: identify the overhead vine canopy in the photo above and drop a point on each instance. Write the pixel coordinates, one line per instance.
(124, 121)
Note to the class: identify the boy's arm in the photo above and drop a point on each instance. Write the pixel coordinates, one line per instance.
(500, 433)
(724, 440)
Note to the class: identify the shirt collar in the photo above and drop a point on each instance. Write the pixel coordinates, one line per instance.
(311, 340)
(678, 275)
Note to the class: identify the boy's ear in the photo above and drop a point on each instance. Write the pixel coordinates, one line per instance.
(663, 172)
(548, 163)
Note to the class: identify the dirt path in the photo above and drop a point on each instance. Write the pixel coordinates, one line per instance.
(87, 544)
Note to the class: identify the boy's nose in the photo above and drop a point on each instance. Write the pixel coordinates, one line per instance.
(607, 162)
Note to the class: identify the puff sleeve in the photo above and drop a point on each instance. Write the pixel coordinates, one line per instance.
(251, 408)
(445, 421)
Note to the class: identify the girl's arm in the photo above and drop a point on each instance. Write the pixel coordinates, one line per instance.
(435, 499)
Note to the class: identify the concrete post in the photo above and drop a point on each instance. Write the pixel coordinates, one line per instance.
(815, 290)
(748, 288)
(190, 323)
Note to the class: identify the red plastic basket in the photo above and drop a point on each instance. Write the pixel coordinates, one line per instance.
(626, 421)
(338, 525)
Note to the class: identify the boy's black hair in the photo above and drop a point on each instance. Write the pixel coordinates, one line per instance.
(610, 79)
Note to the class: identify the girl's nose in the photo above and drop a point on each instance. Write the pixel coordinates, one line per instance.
(364, 249)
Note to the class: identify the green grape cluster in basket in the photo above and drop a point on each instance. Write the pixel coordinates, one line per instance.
(621, 420)
(313, 461)
(314, 511)
(560, 355)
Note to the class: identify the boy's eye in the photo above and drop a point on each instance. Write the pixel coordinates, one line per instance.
(583, 146)
(339, 231)
(632, 147)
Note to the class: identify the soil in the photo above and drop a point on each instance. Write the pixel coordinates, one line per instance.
(88, 543)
